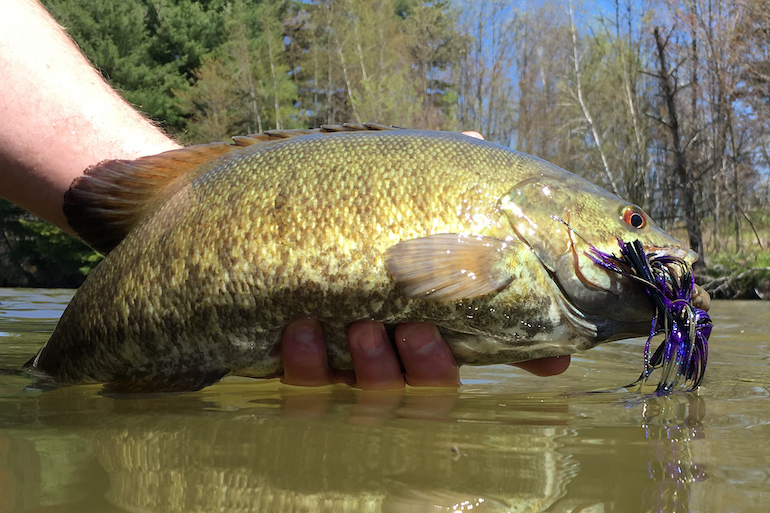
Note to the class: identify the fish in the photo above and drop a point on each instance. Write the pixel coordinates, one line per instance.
(212, 249)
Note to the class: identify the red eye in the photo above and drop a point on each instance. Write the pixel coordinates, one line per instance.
(633, 216)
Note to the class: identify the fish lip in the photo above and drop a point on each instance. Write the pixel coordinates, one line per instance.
(596, 308)
(700, 298)
(689, 256)
(608, 330)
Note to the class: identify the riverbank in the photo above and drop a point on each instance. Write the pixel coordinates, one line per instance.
(752, 283)
(744, 275)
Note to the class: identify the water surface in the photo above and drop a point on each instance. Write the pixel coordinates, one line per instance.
(505, 441)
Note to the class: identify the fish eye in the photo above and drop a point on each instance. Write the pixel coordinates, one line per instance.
(633, 216)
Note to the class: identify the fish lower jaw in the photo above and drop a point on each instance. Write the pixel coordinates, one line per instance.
(477, 349)
(688, 255)
(700, 298)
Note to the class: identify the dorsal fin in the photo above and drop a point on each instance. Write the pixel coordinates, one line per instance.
(110, 199)
(104, 204)
(276, 135)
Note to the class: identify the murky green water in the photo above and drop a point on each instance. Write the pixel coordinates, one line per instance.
(506, 441)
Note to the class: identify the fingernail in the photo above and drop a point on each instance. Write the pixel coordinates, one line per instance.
(304, 332)
(371, 340)
(420, 338)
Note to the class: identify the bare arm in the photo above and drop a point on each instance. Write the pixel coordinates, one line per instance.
(57, 115)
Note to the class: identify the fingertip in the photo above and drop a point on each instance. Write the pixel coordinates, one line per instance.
(427, 359)
(545, 367)
(304, 354)
(376, 363)
(474, 134)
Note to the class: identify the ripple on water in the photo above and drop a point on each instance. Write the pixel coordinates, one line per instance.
(506, 441)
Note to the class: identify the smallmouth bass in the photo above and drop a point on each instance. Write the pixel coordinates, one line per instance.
(213, 249)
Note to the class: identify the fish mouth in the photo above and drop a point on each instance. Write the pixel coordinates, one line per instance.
(700, 297)
(668, 281)
(563, 224)
(598, 292)
(608, 304)
(610, 289)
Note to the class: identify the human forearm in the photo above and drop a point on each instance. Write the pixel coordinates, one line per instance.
(57, 115)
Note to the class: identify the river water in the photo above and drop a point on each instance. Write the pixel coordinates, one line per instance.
(505, 441)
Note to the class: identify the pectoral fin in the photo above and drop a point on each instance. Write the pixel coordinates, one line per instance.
(448, 266)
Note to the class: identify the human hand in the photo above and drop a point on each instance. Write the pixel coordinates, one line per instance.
(426, 357)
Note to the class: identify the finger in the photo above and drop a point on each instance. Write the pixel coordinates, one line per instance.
(304, 354)
(426, 356)
(474, 134)
(375, 408)
(545, 366)
(375, 360)
(700, 298)
(312, 406)
(433, 406)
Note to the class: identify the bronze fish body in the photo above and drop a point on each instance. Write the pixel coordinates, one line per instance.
(217, 247)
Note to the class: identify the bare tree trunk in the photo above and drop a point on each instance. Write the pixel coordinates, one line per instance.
(584, 106)
(522, 65)
(348, 85)
(330, 112)
(254, 104)
(479, 67)
(329, 89)
(641, 174)
(680, 159)
(315, 75)
(275, 82)
(364, 76)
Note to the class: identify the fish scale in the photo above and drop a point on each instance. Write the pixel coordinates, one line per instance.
(221, 256)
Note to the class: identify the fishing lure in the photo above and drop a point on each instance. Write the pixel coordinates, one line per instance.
(669, 284)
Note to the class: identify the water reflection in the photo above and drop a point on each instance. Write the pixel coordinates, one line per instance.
(671, 424)
(502, 443)
(325, 451)
(284, 449)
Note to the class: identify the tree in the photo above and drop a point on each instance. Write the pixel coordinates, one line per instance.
(34, 253)
(146, 49)
(435, 46)
(487, 94)
(384, 61)
(244, 86)
(669, 94)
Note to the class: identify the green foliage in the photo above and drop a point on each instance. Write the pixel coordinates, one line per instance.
(146, 49)
(50, 246)
(435, 45)
(243, 86)
(726, 262)
(42, 253)
(384, 61)
(209, 69)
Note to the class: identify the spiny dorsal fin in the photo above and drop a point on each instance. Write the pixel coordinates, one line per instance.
(105, 204)
(277, 135)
